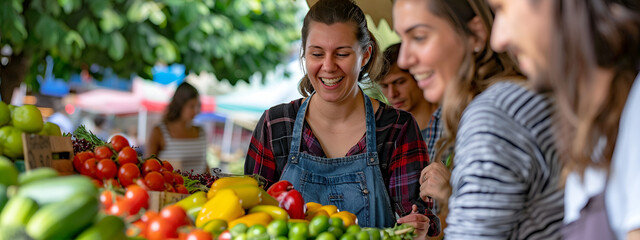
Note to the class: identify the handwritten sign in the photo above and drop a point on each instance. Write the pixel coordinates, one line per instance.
(48, 151)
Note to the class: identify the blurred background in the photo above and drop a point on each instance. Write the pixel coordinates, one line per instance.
(113, 65)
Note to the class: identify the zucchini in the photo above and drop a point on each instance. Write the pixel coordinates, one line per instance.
(108, 228)
(54, 190)
(36, 175)
(18, 211)
(65, 219)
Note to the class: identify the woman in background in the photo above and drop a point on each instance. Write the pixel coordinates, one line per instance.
(176, 139)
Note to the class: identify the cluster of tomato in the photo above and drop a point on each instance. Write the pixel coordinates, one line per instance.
(117, 164)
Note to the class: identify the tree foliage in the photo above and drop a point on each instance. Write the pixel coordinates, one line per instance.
(231, 38)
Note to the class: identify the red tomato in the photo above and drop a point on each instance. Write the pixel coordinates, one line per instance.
(160, 228)
(106, 169)
(178, 178)
(118, 142)
(120, 208)
(89, 167)
(137, 197)
(137, 229)
(169, 188)
(127, 155)
(148, 216)
(128, 173)
(168, 177)
(103, 152)
(181, 189)
(175, 215)
(167, 165)
(198, 234)
(79, 159)
(155, 181)
(106, 198)
(150, 166)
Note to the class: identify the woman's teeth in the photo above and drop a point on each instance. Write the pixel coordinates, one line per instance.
(422, 76)
(331, 81)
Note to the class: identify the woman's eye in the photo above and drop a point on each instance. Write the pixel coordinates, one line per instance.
(316, 54)
(343, 54)
(419, 38)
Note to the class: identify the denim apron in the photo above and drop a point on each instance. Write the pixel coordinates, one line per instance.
(352, 183)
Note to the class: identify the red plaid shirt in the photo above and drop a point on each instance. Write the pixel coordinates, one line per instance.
(401, 150)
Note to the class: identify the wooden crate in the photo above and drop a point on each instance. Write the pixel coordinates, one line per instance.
(48, 151)
(158, 200)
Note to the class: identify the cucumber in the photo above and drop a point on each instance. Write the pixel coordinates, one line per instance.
(18, 211)
(36, 175)
(54, 190)
(3, 196)
(13, 233)
(109, 228)
(63, 220)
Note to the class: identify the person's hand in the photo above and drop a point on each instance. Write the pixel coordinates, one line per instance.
(434, 183)
(419, 221)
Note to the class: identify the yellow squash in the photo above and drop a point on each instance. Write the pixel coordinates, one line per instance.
(230, 181)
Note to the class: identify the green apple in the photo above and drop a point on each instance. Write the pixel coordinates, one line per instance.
(50, 129)
(8, 172)
(12, 137)
(27, 118)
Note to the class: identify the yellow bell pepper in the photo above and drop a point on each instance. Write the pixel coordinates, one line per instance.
(225, 205)
(230, 181)
(252, 219)
(347, 218)
(277, 213)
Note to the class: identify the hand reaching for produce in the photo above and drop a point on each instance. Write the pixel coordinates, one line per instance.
(418, 221)
(434, 183)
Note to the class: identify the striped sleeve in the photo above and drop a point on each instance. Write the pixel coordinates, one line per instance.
(504, 181)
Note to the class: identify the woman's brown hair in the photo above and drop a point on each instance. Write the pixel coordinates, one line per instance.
(478, 70)
(587, 36)
(183, 94)
(342, 11)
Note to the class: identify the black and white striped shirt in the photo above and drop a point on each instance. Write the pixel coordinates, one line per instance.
(505, 181)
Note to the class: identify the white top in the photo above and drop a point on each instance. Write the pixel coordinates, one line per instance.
(623, 190)
(189, 153)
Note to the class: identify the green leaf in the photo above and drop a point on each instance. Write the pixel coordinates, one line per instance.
(156, 16)
(89, 31)
(118, 46)
(73, 37)
(166, 51)
(67, 5)
(138, 12)
(110, 21)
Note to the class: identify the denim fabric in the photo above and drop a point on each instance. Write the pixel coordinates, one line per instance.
(352, 183)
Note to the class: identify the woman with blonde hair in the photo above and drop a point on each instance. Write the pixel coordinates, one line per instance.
(497, 131)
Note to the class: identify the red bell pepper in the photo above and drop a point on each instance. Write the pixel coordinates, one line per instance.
(293, 203)
(279, 187)
(288, 198)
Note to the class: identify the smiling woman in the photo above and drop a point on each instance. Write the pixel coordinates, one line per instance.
(337, 146)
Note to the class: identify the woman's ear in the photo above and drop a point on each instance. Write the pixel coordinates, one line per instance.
(480, 34)
(366, 56)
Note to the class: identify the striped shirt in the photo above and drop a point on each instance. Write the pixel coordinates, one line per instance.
(400, 147)
(505, 180)
(185, 153)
